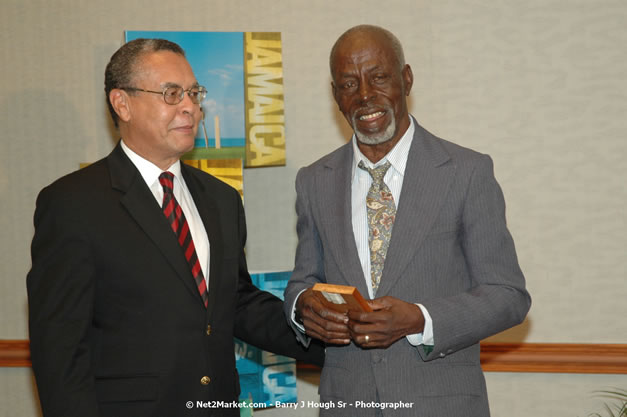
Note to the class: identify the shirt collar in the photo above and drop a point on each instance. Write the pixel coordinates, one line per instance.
(397, 156)
(149, 171)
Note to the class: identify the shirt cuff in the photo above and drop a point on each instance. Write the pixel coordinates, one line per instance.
(293, 315)
(426, 337)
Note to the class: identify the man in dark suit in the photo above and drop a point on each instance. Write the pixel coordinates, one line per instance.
(134, 306)
(418, 223)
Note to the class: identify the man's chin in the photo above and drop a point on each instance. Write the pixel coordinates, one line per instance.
(185, 144)
(371, 140)
(376, 138)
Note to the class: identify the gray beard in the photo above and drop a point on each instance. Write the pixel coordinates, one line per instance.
(376, 138)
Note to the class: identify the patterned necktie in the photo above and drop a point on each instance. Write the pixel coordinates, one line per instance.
(173, 212)
(381, 213)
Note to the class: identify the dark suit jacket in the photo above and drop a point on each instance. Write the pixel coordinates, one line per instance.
(117, 326)
(450, 250)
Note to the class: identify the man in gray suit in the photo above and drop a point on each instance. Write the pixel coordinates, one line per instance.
(430, 242)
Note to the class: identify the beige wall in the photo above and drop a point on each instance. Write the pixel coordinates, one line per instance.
(539, 85)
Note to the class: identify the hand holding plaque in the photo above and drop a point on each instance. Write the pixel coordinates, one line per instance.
(341, 298)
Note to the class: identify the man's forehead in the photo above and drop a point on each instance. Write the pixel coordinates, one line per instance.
(166, 67)
(365, 54)
(362, 41)
(156, 59)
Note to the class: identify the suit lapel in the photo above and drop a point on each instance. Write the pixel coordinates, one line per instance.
(211, 221)
(334, 195)
(427, 179)
(142, 206)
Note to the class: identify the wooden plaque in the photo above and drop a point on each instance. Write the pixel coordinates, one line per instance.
(341, 298)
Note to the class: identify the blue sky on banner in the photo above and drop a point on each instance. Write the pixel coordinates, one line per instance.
(217, 59)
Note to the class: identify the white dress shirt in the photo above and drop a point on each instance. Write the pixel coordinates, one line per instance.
(360, 184)
(150, 173)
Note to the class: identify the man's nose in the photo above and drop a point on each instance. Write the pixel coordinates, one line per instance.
(187, 105)
(366, 92)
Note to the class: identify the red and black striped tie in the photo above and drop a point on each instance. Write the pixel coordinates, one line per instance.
(175, 216)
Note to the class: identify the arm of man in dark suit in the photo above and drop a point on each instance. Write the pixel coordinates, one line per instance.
(318, 321)
(259, 314)
(497, 298)
(61, 292)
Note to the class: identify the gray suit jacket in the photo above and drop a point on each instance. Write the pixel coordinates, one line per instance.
(450, 251)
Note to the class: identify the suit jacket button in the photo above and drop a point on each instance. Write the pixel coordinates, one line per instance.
(205, 380)
(208, 330)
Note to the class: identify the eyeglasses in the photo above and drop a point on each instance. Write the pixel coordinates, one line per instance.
(174, 94)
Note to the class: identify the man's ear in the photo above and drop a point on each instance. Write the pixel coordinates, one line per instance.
(408, 78)
(121, 104)
(334, 90)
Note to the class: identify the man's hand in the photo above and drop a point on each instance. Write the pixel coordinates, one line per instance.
(391, 319)
(320, 322)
